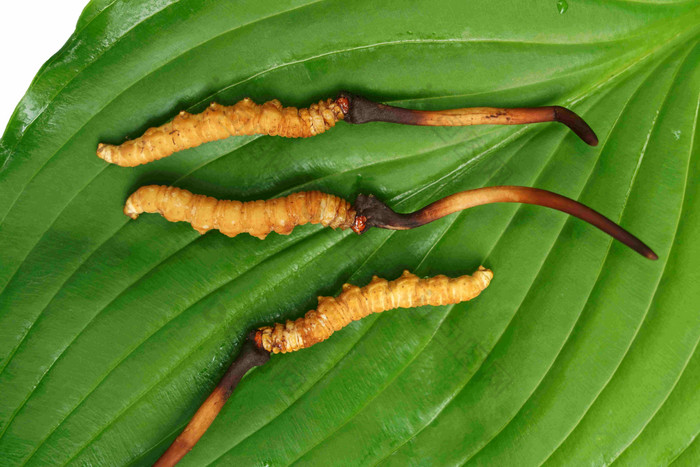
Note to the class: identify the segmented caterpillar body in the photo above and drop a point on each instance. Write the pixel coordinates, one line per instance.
(258, 218)
(248, 118)
(281, 215)
(219, 122)
(334, 313)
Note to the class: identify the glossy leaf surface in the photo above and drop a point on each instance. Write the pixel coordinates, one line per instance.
(112, 331)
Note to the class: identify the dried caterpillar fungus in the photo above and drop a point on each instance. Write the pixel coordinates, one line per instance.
(248, 118)
(258, 218)
(332, 314)
(219, 122)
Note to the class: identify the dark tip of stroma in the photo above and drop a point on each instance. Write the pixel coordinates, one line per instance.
(651, 255)
(576, 124)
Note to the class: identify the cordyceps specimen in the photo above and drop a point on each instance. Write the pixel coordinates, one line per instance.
(271, 118)
(332, 314)
(259, 218)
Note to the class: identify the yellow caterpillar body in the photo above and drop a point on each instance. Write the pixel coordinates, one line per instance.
(258, 218)
(219, 122)
(332, 314)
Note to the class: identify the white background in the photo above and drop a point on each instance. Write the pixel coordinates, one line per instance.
(31, 31)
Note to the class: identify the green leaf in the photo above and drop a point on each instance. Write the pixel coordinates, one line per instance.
(112, 331)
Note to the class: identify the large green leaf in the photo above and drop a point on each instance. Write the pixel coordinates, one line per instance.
(113, 331)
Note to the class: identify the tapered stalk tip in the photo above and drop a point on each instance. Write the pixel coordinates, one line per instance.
(357, 109)
(576, 124)
(375, 213)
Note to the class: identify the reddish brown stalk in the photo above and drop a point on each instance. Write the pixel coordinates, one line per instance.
(358, 109)
(331, 315)
(281, 215)
(251, 355)
(271, 118)
(313, 328)
(373, 213)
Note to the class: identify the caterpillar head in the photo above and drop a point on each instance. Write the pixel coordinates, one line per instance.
(357, 109)
(370, 212)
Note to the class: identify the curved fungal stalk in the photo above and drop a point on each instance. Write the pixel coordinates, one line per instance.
(374, 213)
(358, 109)
(258, 218)
(332, 314)
(249, 357)
(271, 118)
